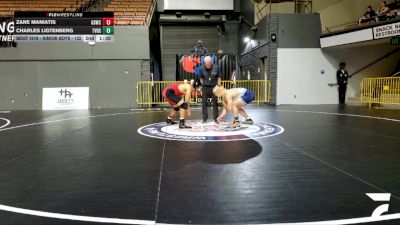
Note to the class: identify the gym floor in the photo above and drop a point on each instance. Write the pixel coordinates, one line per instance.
(71, 166)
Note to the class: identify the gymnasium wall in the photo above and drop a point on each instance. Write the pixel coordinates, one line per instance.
(300, 80)
(284, 7)
(359, 56)
(293, 31)
(304, 74)
(247, 10)
(179, 39)
(111, 70)
(299, 31)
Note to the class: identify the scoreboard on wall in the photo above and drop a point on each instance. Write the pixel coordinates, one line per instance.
(64, 27)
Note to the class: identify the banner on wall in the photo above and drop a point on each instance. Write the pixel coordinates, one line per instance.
(388, 30)
(65, 98)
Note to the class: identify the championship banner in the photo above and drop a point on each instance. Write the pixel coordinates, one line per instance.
(388, 30)
(65, 98)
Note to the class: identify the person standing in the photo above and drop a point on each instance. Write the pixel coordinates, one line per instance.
(210, 76)
(342, 76)
(199, 49)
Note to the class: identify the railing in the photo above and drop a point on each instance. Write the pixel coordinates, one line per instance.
(299, 5)
(386, 56)
(150, 93)
(384, 90)
(356, 24)
(396, 74)
(151, 12)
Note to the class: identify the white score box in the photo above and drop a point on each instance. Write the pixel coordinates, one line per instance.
(64, 38)
(89, 38)
(104, 38)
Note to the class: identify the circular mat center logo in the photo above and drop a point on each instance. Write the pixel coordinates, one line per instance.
(210, 131)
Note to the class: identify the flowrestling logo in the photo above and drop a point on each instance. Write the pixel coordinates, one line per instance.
(210, 131)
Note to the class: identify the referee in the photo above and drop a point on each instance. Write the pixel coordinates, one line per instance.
(210, 76)
(342, 76)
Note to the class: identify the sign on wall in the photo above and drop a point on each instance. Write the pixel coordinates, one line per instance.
(388, 30)
(65, 98)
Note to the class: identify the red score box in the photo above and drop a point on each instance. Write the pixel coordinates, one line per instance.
(108, 21)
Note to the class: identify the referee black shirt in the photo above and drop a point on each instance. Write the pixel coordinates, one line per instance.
(210, 76)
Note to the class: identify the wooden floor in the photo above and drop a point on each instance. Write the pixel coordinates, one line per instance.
(95, 164)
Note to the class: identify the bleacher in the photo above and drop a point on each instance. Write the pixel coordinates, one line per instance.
(8, 7)
(394, 6)
(130, 12)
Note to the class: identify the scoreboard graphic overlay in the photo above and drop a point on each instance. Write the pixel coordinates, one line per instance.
(64, 27)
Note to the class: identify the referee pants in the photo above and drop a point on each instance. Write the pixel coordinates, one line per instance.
(207, 92)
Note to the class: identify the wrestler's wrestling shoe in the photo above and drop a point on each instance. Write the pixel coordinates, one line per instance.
(170, 122)
(182, 125)
(248, 121)
(235, 124)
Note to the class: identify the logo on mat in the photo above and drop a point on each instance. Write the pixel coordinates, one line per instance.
(210, 131)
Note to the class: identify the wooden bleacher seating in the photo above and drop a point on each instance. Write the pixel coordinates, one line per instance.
(129, 12)
(8, 7)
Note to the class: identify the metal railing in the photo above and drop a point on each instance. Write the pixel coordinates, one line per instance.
(356, 24)
(385, 90)
(150, 93)
(299, 6)
(150, 13)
